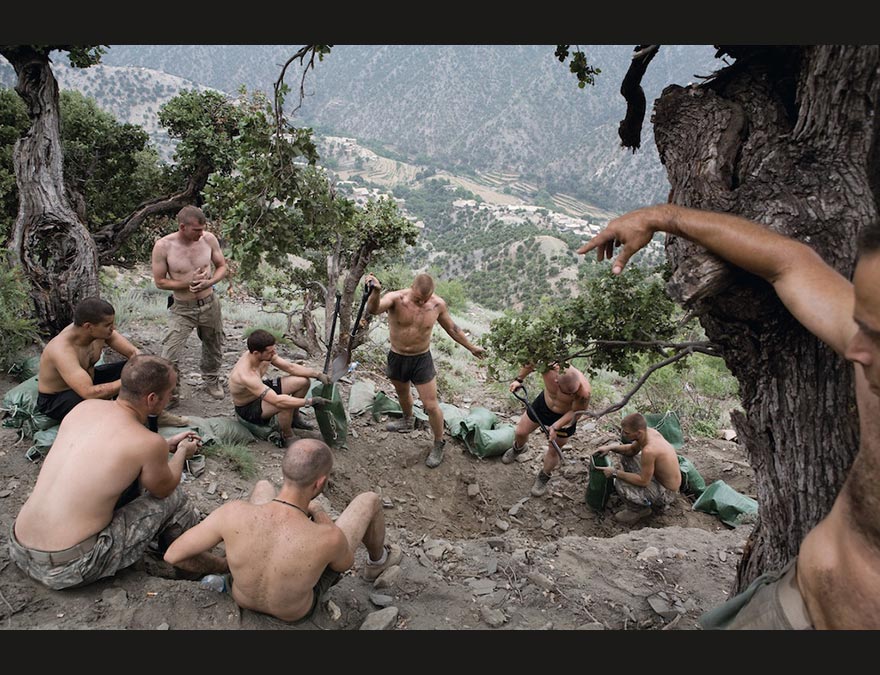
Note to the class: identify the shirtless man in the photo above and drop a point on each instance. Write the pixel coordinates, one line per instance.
(651, 475)
(181, 262)
(74, 527)
(834, 581)
(257, 399)
(68, 374)
(284, 551)
(412, 314)
(565, 393)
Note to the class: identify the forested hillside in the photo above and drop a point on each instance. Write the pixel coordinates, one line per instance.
(508, 108)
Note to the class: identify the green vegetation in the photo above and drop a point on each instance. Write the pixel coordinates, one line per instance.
(17, 330)
(238, 455)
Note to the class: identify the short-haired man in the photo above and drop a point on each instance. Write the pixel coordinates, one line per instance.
(182, 262)
(834, 581)
(412, 313)
(565, 393)
(77, 526)
(651, 476)
(284, 551)
(258, 399)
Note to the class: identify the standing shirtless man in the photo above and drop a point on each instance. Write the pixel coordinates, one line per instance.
(565, 393)
(412, 313)
(181, 263)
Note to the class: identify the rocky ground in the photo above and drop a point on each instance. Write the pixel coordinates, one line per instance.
(479, 552)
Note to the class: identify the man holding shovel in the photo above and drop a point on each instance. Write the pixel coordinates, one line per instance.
(566, 392)
(412, 313)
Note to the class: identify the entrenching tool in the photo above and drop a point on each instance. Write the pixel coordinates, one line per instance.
(331, 418)
(341, 362)
(525, 399)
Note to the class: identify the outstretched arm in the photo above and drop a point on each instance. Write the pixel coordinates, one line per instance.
(816, 294)
(456, 333)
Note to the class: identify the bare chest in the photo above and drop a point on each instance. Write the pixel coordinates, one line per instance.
(184, 260)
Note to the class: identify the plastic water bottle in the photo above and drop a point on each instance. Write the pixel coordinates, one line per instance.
(214, 582)
(352, 366)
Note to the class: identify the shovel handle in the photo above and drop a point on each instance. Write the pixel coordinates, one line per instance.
(332, 333)
(525, 399)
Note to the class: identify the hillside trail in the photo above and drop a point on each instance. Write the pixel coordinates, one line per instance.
(479, 551)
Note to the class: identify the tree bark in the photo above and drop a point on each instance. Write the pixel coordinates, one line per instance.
(53, 246)
(786, 136)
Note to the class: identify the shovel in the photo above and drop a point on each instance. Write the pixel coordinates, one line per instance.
(331, 418)
(340, 363)
(525, 399)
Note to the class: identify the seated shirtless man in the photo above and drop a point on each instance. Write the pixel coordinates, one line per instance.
(284, 551)
(257, 399)
(651, 475)
(68, 374)
(82, 521)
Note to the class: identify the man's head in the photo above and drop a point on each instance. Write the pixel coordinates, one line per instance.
(95, 314)
(147, 380)
(261, 342)
(191, 221)
(568, 382)
(307, 464)
(633, 427)
(422, 288)
(864, 346)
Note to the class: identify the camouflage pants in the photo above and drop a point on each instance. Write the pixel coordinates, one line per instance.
(653, 494)
(119, 545)
(773, 601)
(208, 322)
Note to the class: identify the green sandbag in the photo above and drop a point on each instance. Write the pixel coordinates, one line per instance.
(20, 403)
(599, 488)
(332, 418)
(452, 416)
(489, 442)
(264, 432)
(692, 482)
(733, 508)
(668, 425)
(42, 442)
(477, 418)
(213, 430)
(24, 370)
(383, 405)
(360, 396)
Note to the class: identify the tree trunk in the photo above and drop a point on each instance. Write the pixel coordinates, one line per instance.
(49, 241)
(785, 136)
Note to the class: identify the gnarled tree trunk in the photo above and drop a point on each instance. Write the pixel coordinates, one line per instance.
(785, 136)
(49, 241)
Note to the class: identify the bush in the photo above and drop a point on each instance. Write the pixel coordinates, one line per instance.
(17, 329)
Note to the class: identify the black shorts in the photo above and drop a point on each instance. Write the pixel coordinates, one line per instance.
(329, 578)
(253, 412)
(415, 368)
(58, 405)
(548, 417)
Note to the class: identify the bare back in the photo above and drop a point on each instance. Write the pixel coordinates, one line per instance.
(84, 475)
(410, 324)
(276, 556)
(664, 458)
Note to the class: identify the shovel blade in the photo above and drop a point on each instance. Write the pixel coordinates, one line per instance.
(340, 366)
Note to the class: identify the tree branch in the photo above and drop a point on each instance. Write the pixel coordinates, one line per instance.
(279, 83)
(630, 129)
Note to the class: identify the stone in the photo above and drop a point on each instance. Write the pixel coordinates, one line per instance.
(384, 619)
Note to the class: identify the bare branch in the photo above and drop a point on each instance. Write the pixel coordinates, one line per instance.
(279, 83)
(687, 351)
(630, 129)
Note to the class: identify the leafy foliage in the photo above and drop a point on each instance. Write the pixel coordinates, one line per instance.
(578, 65)
(609, 307)
(18, 330)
